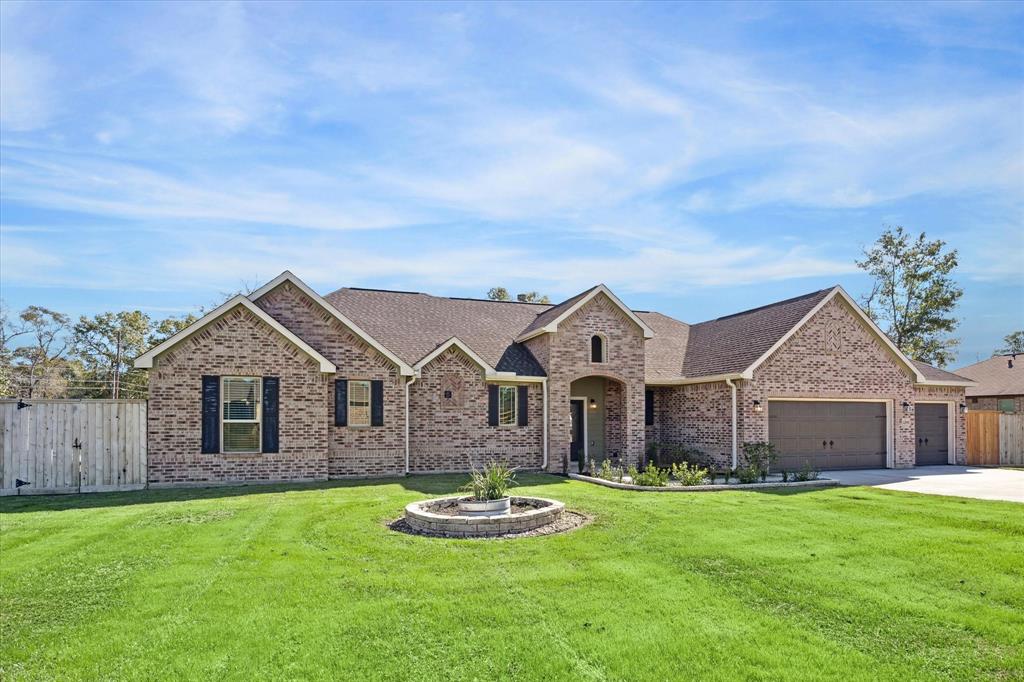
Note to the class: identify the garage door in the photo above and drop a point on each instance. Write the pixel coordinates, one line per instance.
(829, 435)
(931, 422)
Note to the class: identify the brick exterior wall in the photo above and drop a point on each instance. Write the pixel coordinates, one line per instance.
(453, 434)
(237, 344)
(565, 356)
(992, 402)
(699, 415)
(352, 451)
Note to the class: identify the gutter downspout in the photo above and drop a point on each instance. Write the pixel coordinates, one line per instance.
(408, 383)
(544, 386)
(735, 462)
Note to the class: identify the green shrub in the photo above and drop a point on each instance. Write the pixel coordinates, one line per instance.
(785, 476)
(760, 455)
(748, 474)
(667, 454)
(651, 476)
(806, 473)
(712, 474)
(490, 483)
(608, 472)
(689, 474)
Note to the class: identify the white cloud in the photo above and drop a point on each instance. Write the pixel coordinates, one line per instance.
(27, 91)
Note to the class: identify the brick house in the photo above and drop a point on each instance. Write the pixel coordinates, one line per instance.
(999, 384)
(285, 384)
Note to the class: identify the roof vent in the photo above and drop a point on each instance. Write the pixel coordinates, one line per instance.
(1009, 363)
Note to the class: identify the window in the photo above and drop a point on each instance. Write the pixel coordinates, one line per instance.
(358, 403)
(506, 405)
(1005, 405)
(240, 414)
(597, 349)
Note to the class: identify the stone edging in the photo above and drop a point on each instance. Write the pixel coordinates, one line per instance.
(817, 483)
(481, 526)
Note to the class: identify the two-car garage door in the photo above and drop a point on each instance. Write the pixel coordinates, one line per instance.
(828, 435)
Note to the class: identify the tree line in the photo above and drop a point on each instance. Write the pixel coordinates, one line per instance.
(46, 354)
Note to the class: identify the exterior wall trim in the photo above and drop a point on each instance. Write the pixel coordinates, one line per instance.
(552, 326)
(890, 431)
(145, 361)
(288, 276)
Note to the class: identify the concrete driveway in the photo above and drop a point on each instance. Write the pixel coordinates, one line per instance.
(978, 482)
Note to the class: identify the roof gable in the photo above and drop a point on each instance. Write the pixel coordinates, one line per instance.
(548, 321)
(287, 276)
(145, 361)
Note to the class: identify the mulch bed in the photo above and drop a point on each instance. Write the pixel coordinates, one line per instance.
(569, 520)
(452, 508)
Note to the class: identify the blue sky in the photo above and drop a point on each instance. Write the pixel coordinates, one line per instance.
(699, 159)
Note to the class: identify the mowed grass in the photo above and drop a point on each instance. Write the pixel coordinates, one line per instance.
(307, 582)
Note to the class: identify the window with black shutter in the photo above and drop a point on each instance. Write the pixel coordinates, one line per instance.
(211, 414)
(649, 407)
(270, 414)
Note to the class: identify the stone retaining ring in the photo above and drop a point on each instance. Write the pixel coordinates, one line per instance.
(420, 517)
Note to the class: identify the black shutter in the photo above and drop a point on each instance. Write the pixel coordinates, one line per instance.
(492, 405)
(648, 407)
(524, 404)
(341, 402)
(376, 403)
(270, 413)
(211, 415)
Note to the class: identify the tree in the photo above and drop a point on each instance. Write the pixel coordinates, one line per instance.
(913, 296)
(499, 294)
(166, 328)
(106, 345)
(532, 297)
(9, 330)
(36, 367)
(1013, 344)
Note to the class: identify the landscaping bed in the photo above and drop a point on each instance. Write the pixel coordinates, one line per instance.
(676, 486)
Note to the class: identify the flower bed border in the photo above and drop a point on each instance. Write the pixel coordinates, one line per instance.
(461, 526)
(718, 487)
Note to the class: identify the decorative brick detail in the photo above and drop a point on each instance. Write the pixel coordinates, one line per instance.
(243, 345)
(565, 356)
(446, 437)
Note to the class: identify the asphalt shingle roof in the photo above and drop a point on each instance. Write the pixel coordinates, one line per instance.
(935, 374)
(730, 344)
(411, 325)
(995, 376)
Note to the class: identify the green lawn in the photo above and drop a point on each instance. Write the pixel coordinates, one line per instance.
(307, 582)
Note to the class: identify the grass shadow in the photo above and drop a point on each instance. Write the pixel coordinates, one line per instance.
(429, 484)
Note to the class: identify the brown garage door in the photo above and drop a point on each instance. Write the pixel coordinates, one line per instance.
(829, 435)
(931, 422)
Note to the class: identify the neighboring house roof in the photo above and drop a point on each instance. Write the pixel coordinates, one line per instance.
(548, 320)
(145, 360)
(995, 376)
(413, 325)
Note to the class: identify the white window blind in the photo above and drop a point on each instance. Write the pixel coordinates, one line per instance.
(358, 403)
(240, 399)
(506, 405)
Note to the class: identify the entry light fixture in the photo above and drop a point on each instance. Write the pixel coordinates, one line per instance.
(757, 406)
(963, 408)
(906, 407)
(593, 404)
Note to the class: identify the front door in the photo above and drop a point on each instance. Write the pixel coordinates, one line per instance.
(576, 450)
(931, 421)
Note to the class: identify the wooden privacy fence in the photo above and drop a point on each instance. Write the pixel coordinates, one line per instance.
(994, 438)
(58, 446)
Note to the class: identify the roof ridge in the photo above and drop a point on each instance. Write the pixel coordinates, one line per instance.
(768, 305)
(448, 298)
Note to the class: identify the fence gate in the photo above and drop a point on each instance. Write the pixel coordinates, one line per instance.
(983, 437)
(1011, 439)
(68, 446)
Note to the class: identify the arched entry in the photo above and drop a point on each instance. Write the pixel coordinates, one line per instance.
(597, 421)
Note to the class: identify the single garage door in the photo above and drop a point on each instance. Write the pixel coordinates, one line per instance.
(931, 422)
(829, 435)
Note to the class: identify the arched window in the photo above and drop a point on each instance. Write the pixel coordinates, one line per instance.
(597, 349)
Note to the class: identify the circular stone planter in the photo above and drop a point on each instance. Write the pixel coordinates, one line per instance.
(500, 507)
(442, 516)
